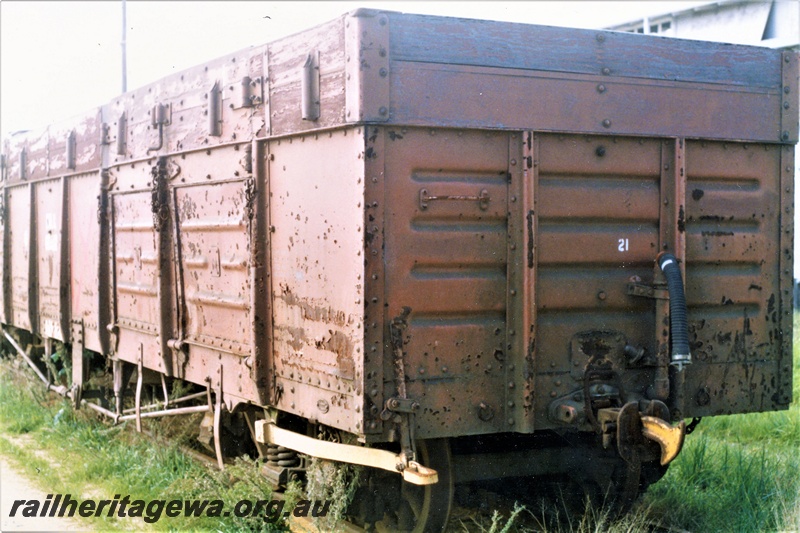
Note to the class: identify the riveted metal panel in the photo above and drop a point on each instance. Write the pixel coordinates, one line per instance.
(787, 283)
(51, 270)
(215, 265)
(597, 205)
(218, 204)
(367, 65)
(20, 257)
(734, 252)
(88, 271)
(142, 308)
(213, 231)
(446, 256)
(137, 277)
(317, 245)
(375, 277)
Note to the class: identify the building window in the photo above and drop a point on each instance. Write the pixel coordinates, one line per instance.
(656, 28)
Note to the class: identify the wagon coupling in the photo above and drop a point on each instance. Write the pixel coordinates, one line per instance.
(635, 432)
(669, 437)
(413, 472)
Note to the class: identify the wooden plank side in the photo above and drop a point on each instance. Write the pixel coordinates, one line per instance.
(286, 59)
(468, 96)
(236, 78)
(84, 133)
(544, 48)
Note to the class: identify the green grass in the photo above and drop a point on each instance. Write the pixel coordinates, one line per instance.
(737, 473)
(87, 458)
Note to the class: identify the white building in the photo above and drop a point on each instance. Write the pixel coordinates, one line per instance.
(772, 23)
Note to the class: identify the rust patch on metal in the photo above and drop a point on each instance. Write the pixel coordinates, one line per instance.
(342, 346)
(313, 312)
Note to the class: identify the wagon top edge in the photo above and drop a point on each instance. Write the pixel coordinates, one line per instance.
(371, 66)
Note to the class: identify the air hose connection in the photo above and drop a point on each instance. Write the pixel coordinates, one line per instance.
(679, 326)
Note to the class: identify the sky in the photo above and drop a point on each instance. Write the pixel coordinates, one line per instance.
(59, 59)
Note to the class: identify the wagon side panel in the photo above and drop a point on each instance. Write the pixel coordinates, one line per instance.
(21, 283)
(88, 286)
(213, 205)
(317, 269)
(597, 230)
(52, 289)
(141, 267)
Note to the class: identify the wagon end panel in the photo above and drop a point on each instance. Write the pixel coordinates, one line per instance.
(446, 259)
(738, 277)
(316, 205)
(596, 220)
(604, 208)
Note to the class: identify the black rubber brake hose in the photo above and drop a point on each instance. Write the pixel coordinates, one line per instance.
(679, 324)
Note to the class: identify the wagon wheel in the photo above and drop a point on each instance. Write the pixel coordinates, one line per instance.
(393, 505)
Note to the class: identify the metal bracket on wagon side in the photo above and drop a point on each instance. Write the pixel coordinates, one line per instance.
(648, 291)
(268, 433)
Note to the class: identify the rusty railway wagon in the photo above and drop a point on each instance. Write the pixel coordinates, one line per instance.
(455, 249)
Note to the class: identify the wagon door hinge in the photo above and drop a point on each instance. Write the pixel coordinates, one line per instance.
(105, 133)
(248, 93)
(400, 409)
(400, 405)
(179, 350)
(158, 192)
